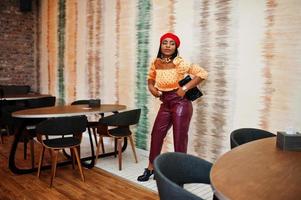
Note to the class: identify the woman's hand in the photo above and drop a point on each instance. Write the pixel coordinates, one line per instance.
(181, 92)
(193, 83)
(154, 91)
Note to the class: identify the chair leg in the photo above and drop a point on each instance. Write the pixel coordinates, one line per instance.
(133, 147)
(7, 130)
(41, 161)
(73, 159)
(25, 150)
(119, 146)
(50, 152)
(100, 141)
(95, 136)
(74, 149)
(102, 146)
(53, 165)
(115, 146)
(32, 153)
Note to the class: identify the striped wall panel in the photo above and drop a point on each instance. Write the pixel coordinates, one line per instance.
(103, 49)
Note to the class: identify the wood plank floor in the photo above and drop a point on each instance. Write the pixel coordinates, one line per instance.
(67, 183)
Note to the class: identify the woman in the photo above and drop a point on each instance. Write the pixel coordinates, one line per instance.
(163, 77)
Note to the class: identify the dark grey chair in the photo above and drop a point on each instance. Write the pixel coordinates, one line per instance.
(118, 127)
(41, 102)
(14, 89)
(7, 106)
(7, 122)
(29, 132)
(91, 124)
(244, 135)
(70, 130)
(174, 169)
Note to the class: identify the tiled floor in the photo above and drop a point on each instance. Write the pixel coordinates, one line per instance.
(131, 170)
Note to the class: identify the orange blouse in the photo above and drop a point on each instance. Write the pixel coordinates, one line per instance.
(167, 79)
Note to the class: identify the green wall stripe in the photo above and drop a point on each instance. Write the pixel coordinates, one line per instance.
(61, 52)
(142, 64)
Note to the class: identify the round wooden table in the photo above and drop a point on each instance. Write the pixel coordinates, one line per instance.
(67, 111)
(257, 170)
(58, 111)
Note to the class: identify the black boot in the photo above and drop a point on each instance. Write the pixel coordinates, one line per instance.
(145, 176)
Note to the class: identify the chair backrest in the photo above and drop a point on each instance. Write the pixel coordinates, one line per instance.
(6, 118)
(172, 170)
(245, 135)
(15, 89)
(63, 125)
(125, 118)
(41, 102)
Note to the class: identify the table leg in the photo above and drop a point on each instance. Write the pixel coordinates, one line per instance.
(11, 164)
(92, 158)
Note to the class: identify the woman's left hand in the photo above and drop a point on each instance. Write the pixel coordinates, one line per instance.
(180, 92)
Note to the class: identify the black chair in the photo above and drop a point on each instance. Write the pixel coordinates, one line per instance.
(9, 105)
(174, 169)
(119, 124)
(70, 130)
(244, 135)
(1, 137)
(29, 132)
(41, 102)
(7, 123)
(14, 89)
(2, 131)
(91, 124)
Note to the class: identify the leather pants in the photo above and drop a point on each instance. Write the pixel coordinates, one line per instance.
(174, 111)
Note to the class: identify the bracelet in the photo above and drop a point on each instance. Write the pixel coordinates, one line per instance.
(184, 88)
(160, 93)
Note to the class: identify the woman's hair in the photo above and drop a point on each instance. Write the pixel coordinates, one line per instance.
(175, 54)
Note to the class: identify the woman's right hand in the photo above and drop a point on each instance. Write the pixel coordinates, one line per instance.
(154, 91)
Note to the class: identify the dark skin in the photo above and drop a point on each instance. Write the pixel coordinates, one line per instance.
(168, 47)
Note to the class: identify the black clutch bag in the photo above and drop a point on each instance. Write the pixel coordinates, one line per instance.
(193, 93)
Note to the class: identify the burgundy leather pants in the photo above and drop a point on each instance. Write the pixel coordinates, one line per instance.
(174, 111)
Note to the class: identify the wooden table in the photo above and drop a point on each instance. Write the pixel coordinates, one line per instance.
(23, 97)
(58, 111)
(67, 111)
(257, 170)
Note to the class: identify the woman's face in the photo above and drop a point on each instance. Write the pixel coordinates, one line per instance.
(168, 47)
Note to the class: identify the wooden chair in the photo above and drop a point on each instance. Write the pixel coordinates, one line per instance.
(30, 129)
(244, 135)
(119, 124)
(70, 129)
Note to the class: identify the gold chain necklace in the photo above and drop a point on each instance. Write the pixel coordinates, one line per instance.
(165, 60)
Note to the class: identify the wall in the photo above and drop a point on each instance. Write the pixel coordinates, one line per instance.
(17, 45)
(251, 49)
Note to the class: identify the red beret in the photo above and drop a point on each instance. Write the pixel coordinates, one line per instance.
(172, 36)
